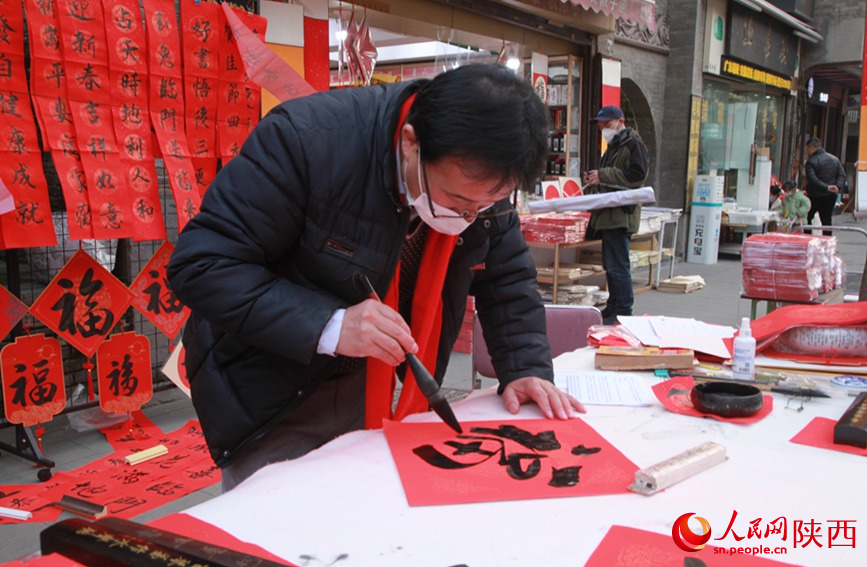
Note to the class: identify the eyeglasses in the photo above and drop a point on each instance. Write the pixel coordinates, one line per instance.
(466, 215)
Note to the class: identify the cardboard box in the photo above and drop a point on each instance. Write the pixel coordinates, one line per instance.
(642, 358)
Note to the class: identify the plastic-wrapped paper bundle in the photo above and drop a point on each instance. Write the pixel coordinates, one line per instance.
(783, 285)
(838, 273)
(785, 267)
(828, 245)
(568, 228)
(782, 251)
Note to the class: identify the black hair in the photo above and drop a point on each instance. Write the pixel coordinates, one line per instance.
(487, 117)
(814, 143)
(775, 190)
(789, 185)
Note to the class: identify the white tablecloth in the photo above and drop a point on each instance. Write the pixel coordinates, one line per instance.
(346, 498)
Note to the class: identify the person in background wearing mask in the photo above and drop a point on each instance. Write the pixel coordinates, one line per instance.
(825, 178)
(409, 184)
(624, 165)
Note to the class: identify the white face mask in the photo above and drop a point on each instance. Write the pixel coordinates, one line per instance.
(608, 134)
(448, 223)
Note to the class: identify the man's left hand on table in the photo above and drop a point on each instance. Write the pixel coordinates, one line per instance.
(553, 401)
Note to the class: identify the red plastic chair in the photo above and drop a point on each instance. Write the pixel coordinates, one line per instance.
(567, 330)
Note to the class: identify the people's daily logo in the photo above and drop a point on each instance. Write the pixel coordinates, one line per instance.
(685, 538)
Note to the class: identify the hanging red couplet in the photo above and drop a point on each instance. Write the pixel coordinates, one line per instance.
(81, 27)
(32, 374)
(123, 366)
(238, 100)
(82, 303)
(153, 296)
(20, 157)
(167, 105)
(12, 310)
(51, 103)
(127, 64)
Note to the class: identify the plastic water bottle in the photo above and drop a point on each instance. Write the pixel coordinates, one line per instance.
(744, 361)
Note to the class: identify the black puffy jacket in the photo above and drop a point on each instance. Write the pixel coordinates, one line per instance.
(310, 201)
(824, 169)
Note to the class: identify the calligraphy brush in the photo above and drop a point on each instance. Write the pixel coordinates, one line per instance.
(423, 378)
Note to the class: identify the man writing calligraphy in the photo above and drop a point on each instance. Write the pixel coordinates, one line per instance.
(408, 184)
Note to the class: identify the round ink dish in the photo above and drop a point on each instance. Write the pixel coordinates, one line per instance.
(850, 382)
(726, 399)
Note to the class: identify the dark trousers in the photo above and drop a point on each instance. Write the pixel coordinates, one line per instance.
(824, 205)
(615, 260)
(334, 408)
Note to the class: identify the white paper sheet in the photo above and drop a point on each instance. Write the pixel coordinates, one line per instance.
(594, 201)
(679, 332)
(643, 328)
(607, 388)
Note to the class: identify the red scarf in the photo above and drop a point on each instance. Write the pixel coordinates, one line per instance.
(427, 306)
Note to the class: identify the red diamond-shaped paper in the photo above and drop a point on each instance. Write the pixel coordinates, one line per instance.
(82, 303)
(12, 310)
(155, 299)
(123, 365)
(32, 376)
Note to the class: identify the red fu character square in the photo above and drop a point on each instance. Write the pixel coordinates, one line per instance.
(123, 365)
(82, 303)
(32, 376)
(155, 299)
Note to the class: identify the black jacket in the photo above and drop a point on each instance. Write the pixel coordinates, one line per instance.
(824, 169)
(311, 200)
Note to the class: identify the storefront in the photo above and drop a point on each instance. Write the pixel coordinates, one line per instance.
(748, 93)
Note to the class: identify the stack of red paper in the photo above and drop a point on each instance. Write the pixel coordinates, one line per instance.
(789, 267)
(568, 227)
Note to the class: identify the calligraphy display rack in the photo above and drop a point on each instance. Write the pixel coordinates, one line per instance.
(114, 118)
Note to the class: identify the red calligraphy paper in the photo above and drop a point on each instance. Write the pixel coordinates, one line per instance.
(820, 433)
(32, 498)
(239, 99)
(12, 310)
(206, 170)
(200, 37)
(21, 173)
(124, 375)
(167, 105)
(129, 490)
(82, 303)
(127, 61)
(138, 430)
(153, 296)
(263, 66)
(33, 390)
(85, 55)
(627, 547)
(674, 395)
(188, 526)
(50, 100)
(505, 460)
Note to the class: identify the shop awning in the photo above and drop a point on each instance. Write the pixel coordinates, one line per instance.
(801, 29)
(638, 11)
